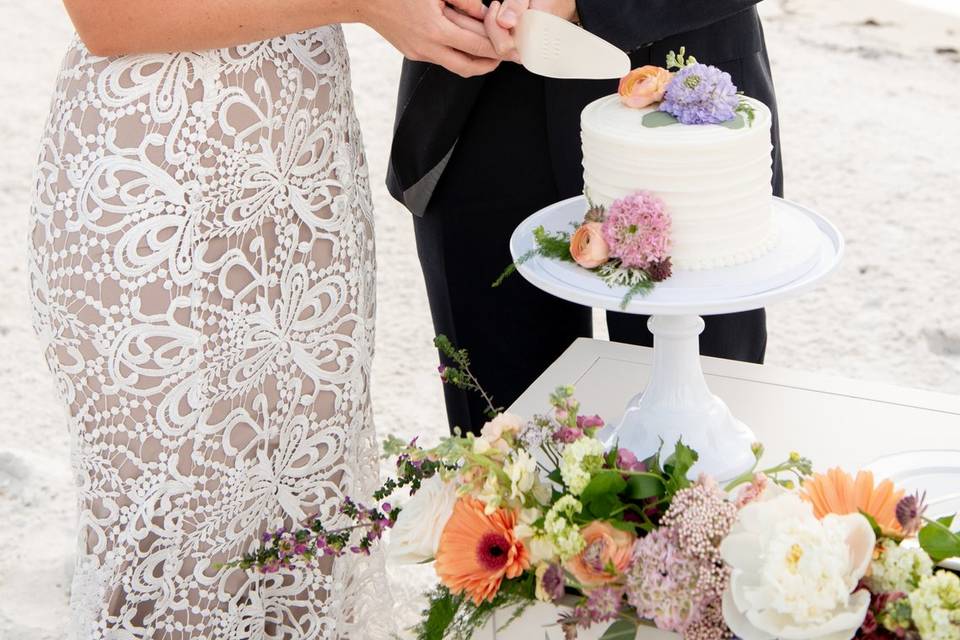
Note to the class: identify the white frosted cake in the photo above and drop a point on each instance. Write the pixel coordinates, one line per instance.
(714, 180)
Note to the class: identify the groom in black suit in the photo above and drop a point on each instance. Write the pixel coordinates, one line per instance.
(472, 157)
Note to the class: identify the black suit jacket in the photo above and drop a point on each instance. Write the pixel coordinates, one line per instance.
(434, 105)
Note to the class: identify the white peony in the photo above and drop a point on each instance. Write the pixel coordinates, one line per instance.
(416, 535)
(794, 576)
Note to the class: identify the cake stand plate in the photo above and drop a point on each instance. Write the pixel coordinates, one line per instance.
(677, 402)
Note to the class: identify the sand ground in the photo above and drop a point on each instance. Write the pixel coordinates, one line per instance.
(868, 95)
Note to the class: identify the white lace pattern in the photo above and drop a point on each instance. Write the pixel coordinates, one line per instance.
(202, 273)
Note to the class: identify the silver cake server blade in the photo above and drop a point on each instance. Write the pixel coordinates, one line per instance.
(556, 48)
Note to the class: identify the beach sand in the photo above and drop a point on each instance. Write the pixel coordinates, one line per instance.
(868, 93)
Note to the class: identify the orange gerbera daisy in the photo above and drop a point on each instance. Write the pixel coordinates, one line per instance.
(477, 551)
(838, 492)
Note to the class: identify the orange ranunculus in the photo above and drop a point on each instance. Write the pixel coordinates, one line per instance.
(644, 86)
(607, 547)
(587, 246)
(477, 551)
(838, 492)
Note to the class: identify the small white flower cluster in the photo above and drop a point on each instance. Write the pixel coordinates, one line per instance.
(560, 529)
(581, 459)
(935, 605)
(898, 568)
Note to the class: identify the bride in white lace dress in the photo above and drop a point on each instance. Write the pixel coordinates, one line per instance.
(202, 272)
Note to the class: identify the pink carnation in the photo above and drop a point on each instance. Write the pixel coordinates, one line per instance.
(637, 229)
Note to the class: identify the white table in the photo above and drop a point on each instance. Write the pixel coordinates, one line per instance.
(833, 421)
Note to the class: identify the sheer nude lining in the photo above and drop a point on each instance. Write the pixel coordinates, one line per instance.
(203, 277)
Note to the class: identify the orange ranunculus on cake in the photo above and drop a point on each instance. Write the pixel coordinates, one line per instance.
(477, 551)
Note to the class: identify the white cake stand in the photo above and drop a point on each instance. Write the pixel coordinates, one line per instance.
(677, 401)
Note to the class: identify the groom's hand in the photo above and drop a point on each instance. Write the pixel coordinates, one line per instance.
(502, 19)
(423, 30)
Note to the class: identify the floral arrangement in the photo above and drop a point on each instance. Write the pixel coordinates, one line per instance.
(541, 510)
(694, 94)
(627, 245)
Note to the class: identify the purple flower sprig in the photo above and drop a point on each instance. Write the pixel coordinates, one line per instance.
(283, 548)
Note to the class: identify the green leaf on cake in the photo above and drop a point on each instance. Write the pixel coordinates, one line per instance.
(737, 122)
(656, 119)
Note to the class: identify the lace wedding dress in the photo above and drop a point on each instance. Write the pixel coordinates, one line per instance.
(202, 273)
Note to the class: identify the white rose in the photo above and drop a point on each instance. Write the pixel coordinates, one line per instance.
(794, 576)
(416, 535)
(504, 422)
(495, 430)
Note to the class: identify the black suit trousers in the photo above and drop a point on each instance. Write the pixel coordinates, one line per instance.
(500, 172)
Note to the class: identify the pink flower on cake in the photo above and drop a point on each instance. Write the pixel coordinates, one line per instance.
(642, 87)
(637, 229)
(587, 246)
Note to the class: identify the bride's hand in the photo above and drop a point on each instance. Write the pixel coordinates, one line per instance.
(502, 19)
(423, 30)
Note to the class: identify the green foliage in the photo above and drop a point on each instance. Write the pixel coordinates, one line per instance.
(877, 531)
(621, 630)
(441, 610)
(640, 288)
(746, 110)
(737, 122)
(679, 60)
(455, 617)
(642, 487)
(549, 245)
(605, 482)
(677, 467)
(637, 281)
(459, 375)
(939, 541)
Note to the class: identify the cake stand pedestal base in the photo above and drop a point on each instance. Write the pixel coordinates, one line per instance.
(677, 403)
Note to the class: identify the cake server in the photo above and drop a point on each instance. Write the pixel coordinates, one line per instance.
(556, 48)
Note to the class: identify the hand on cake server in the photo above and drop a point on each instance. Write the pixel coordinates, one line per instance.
(502, 18)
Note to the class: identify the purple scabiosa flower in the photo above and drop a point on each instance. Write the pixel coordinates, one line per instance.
(637, 229)
(701, 94)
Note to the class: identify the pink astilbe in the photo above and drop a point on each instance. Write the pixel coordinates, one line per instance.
(637, 229)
